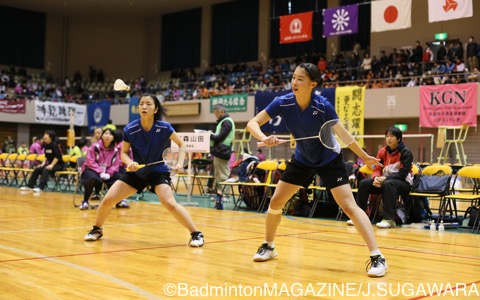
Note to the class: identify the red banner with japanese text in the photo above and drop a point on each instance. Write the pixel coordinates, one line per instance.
(13, 106)
(296, 28)
(448, 105)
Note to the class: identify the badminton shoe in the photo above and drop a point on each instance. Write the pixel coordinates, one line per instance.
(37, 190)
(197, 239)
(264, 253)
(376, 266)
(95, 234)
(122, 204)
(26, 188)
(84, 206)
(350, 223)
(386, 224)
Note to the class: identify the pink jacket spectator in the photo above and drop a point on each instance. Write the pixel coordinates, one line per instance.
(100, 159)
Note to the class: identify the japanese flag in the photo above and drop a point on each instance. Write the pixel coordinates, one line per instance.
(449, 10)
(391, 15)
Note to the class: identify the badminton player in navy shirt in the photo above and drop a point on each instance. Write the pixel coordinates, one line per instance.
(304, 113)
(147, 137)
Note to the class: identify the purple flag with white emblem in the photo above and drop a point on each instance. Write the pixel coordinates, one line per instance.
(340, 20)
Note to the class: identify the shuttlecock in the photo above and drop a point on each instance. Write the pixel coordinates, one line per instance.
(119, 85)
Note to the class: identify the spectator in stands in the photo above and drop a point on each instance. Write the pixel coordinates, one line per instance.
(472, 50)
(101, 166)
(311, 158)
(459, 66)
(53, 162)
(417, 53)
(221, 142)
(391, 180)
(427, 58)
(474, 75)
(366, 65)
(458, 50)
(413, 82)
(441, 53)
(110, 125)
(23, 149)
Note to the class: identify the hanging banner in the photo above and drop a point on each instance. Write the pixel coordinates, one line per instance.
(391, 15)
(59, 113)
(449, 10)
(340, 21)
(296, 28)
(98, 114)
(13, 106)
(232, 103)
(350, 107)
(448, 105)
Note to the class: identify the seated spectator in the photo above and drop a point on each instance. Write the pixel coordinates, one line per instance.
(78, 150)
(459, 66)
(23, 149)
(413, 82)
(474, 76)
(439, 68)
(392, 180)
(450, 65)
(53, 162)
(101, 166)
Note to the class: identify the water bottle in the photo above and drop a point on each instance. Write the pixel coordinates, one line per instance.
(219, 202)
(441, 227)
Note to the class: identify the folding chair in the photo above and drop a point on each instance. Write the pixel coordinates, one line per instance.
(469, 195)
(8, 167)
(202, 170)
(26, 167)
(251, 190)
(432, 171)
(67, 176)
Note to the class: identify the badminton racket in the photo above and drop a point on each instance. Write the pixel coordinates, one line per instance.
(174, 158)
(119, 85)
(327, 135)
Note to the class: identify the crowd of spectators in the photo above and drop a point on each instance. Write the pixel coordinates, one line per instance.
(403, 67)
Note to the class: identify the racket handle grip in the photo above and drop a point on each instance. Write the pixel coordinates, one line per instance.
(262, 144)
(138, 168)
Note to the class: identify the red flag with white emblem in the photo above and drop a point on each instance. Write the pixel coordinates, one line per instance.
(296, 28)
(443, 10)
(391, 15)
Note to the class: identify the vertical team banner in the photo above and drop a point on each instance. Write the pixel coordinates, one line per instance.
(232, 103)
(350, 107)
(133, 109)
(448, 105)
(340, 20)
(296, 28)
(98, 114)
(449, 10)
(59, 113)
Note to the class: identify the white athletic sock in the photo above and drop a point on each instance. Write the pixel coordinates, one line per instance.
(270, 244)
(376, 252)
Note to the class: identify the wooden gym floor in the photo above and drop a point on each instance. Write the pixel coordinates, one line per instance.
(144, 255)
